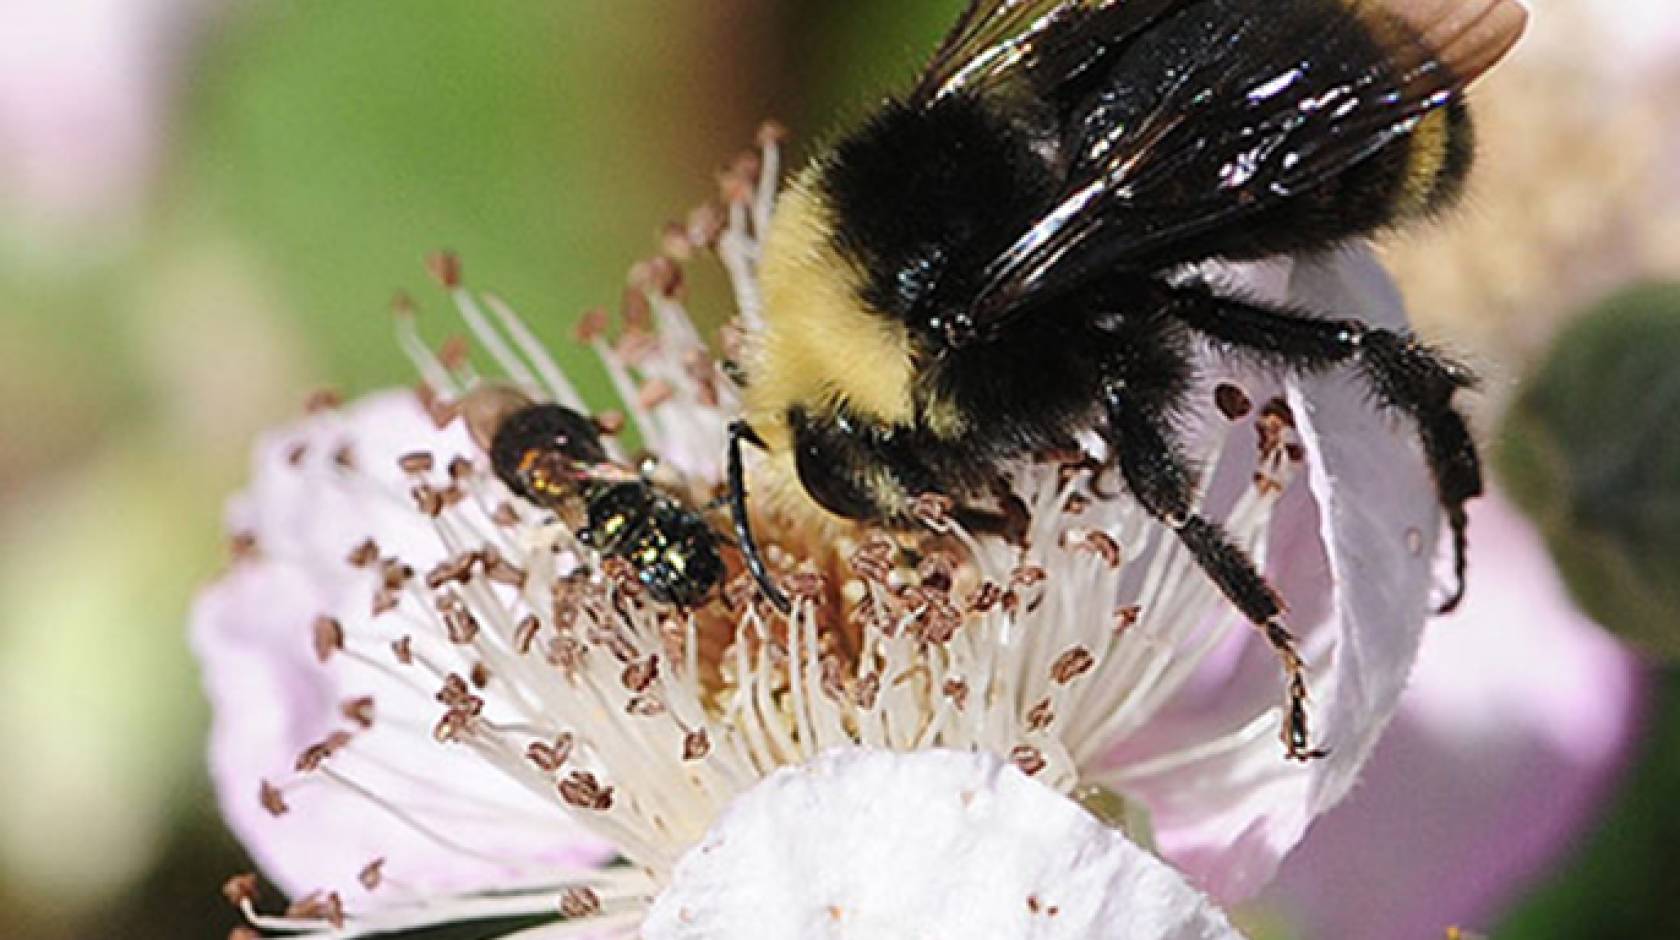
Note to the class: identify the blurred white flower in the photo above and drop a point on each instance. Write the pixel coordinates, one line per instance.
(433, 703)
(1518, 720)
(84, 91)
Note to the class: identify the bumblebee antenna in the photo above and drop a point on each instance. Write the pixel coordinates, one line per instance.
(741, 431)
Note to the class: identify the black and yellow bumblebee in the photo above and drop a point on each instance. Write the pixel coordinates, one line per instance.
(552, 456)
(994, 261)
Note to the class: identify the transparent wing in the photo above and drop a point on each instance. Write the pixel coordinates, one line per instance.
(998, 41)
(1257, 117)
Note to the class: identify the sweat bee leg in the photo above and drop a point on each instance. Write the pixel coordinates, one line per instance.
(1159, 478)
(1401, 372)
(739, 432)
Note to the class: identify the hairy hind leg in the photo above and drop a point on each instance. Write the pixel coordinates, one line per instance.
(1160, 478)
(1401, 372)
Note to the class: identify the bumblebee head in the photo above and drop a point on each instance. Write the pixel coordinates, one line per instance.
(853, 468)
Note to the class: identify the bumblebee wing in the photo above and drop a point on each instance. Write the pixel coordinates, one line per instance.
(1256, 116)
(995, 42)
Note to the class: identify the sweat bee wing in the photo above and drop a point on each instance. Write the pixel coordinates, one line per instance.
(1174, 145)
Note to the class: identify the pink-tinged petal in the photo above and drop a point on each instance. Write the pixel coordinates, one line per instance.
(934, 843)
(437, 816)
(1518, 718)
(1350, 553)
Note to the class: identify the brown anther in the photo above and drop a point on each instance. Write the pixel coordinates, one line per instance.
(328, 636)
(805, 585)
(1232, 402)
(771, 134)
(702, 371)
(610, 423)
(551, 757)
(1030, 759)
(1295, 452)
(873, 560)
(317, 906)
(272, 799)
(654, 393)
(705, 225)
(1126, 618)
(458, 621)
(937, 571)
(1094, 541)
(403, 650)
(567, 653)
(734, 188)
(344, 458)
(525, 633)
(460, 469)
(638, 675)
(454, 353)
(940, 619)
(1041, 715)
(985, 597)
(429, 500)
(505, 515)
(957, 691)
(322, 400)
(242, 546)
(1071, 665)
(372, 875)
(636, 346)
(501, 571)
(932, 510)
(385, 600)
(578, 902)
(394, 574)
(358, 711)
(666, 277)
(634, 310)
(480, 675)
(1034, 904)
(866, 691)
(364, 554)
(457, 570)
(1077, 504)
(644, 706)
(1026, 576)
(296, 453)
(582, 790)
(592, 325)
(416, 464)
(673, 241)
(696, 745)
(240, 889)
(445, 268)
(1278, 410)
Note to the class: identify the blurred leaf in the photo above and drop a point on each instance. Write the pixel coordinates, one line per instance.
(1623, 882)
(103, 709)
(1592, 452)
(544, 142)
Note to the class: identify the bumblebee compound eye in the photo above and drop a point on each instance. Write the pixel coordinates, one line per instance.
(831, 465)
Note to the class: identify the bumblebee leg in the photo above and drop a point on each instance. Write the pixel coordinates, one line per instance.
(1159, 477)
(1402, 373)
(738, 432)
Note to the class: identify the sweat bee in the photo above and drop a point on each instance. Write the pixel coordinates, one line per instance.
(994, 261)
(552, 456)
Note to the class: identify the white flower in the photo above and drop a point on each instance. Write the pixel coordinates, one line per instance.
(434, 704)
(868, 844)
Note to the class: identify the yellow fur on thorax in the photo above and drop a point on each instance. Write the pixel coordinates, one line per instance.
(820, 345)
(819, 348)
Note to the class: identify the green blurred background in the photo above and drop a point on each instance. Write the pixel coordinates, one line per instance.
(290, 165)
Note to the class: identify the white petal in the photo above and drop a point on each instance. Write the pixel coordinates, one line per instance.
(1350, 553)
(272, 698)
(872, 844)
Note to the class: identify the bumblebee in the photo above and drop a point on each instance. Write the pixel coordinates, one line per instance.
(552, 456)
(994, 261)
